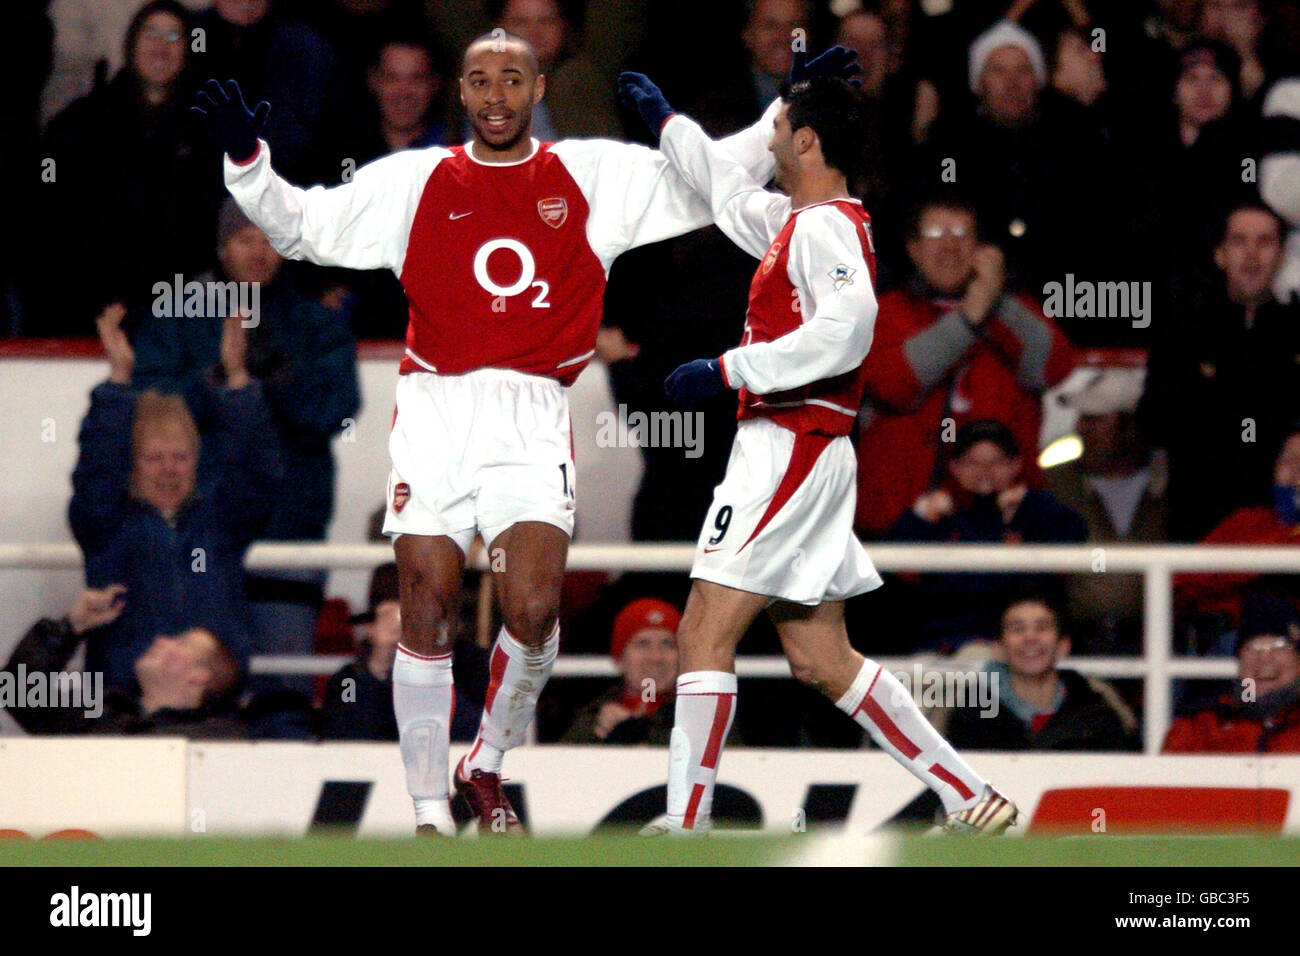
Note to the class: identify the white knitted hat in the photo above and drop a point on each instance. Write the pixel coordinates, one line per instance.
(1005, 33)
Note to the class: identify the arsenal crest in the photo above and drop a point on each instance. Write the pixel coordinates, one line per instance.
(769, 260)
(553, 212)
(401, 495)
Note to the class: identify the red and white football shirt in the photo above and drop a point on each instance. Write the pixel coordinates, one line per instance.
(504, 265)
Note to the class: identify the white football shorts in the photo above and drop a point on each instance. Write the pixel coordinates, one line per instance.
(477, 453)
(781, 521)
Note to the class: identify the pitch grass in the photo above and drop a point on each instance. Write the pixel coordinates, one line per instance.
(1106, 851)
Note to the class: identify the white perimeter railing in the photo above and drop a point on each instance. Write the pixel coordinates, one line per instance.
(1157, 666)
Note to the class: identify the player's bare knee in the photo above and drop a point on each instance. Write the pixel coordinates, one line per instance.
(530, 617)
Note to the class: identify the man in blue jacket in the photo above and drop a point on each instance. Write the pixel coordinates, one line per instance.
(142, 518)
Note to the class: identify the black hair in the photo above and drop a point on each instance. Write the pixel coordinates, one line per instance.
(136, 25)
(1252, 205)
(837, 113)
(986, 429)
(947, 199)
(1027, 594)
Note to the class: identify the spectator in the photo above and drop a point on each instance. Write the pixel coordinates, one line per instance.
(1222, 596)
(1263, 714)
(767, 35)
(1205, 139)
(1040, 705)
(638, 709)
(274, 58)
(358, 703)
(355, 30)
(1240, 25)
(26, 52)
(950, 347)
(87, 47)
(403, 84)
(142, 519)
(1224, 382)
(136, 187)
(187, 684)
(304, 359)
(1120, 493)
(895, 108)
(987, 501)
(1044, 182)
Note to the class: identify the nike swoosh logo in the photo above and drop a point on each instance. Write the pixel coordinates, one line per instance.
(711, 550)
(460, 215)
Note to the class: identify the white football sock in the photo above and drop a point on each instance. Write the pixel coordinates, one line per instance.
(517, 674)
(881, 704)
(706, 706)
(423, 697)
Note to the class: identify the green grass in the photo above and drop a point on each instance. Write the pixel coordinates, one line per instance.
(346, 851)
(631, 851)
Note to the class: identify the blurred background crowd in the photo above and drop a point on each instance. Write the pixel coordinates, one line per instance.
(1025, 157)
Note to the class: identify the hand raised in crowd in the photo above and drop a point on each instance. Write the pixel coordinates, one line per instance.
(96, 607)
(985, 287)
(1009, 501)
(613, 346)
(121, 357)
(934, 506)
(610, 716)
(234, 352)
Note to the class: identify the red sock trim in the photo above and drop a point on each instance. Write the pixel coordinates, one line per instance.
(721, 714)
(697, 793)
(496, 673)
(944, 774)
(876, 714)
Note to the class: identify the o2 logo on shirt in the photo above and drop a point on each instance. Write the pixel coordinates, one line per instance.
(527, 272)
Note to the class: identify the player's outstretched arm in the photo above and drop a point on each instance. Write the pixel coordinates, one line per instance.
(827, 267)
(361, 224)
(749, 215)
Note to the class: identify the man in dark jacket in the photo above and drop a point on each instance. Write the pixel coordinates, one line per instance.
(1223, 381)
(304, 358)
(187, 683)
(142, 519)
(987, 502)
(1041, 707)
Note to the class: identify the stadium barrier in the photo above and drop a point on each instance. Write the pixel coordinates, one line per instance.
(1157, 667)
(220, 789)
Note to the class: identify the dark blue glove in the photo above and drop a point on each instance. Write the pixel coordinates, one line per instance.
(837, 61)
(638, 91)
(694, 382)
(228, 122)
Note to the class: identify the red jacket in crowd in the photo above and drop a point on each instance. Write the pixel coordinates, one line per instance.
(1223, 593)
(926, 364)
(1230, 728)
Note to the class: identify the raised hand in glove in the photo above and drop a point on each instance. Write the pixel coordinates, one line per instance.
(639, 91)
(228, 122)
(837, 61)
(695, 382)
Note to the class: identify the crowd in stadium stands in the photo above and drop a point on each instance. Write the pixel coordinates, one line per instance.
(1020, 150)
(1041, 706)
